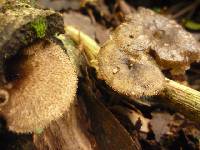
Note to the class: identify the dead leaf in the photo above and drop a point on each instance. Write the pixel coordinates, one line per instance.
(159, 124)
(85, 24)
(59, 4)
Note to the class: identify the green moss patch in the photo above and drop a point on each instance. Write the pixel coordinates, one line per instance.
(40, 27)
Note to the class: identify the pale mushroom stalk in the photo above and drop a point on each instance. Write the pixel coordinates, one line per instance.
(184, 99)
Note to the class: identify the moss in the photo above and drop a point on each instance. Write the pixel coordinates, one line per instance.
(40, 26)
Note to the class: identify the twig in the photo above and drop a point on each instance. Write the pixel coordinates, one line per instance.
(124, 7)
(184, 99)
(186, 9)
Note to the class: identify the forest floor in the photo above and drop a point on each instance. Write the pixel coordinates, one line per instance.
(159, 126)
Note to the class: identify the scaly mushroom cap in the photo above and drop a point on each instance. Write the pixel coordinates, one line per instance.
(172, 46)
(131, 39)
(133, 74)
(44, 91)
(126, 61)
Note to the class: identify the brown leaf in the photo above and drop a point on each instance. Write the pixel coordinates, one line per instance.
(85, 24)
(109, 133)
(59, 4)
(160, 124)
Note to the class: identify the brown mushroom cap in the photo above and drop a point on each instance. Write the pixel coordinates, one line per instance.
(131, 39)
(45, 90)
(173, 47)
(126, 61)
(133, 74)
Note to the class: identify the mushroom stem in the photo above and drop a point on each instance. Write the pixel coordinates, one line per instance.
(184, 99)
(90, 46)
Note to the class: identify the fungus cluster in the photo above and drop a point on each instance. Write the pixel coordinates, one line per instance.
(172, 47)
(132, 59)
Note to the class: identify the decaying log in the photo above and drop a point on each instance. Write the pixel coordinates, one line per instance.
(68, 133)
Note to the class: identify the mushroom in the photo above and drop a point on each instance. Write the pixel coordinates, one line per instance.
(125, 65)
(43, 89)
(126, 45)
(129, 73)
(172, 47)
(130, 61)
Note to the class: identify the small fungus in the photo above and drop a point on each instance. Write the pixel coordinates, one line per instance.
(43, 90)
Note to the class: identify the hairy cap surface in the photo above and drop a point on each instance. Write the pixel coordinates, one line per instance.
(129, 73)
(44, 90)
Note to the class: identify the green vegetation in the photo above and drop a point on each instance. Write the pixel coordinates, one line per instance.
(189, 24)
(40, 26)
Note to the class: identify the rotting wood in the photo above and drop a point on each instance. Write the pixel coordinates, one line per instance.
(70, 132)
